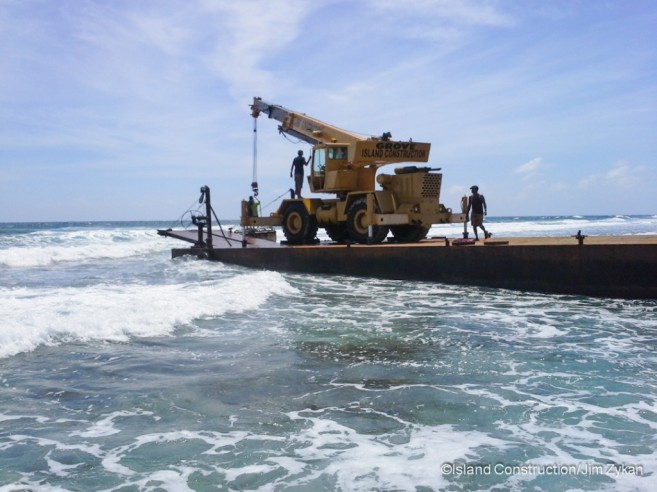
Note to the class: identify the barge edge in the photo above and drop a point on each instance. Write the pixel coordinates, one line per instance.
(604, 268)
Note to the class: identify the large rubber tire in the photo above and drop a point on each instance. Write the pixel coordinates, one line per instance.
(298, 226)
(356, 224)
(311, 233)
(337, 232)
(409, 233)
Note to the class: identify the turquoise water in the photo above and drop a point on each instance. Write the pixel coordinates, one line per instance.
(124, 370)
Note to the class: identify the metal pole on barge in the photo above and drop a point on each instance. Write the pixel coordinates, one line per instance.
(205, 191)
(464, 209)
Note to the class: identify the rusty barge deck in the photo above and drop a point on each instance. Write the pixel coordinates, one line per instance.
(603, 266)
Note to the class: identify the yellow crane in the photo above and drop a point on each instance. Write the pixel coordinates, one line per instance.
(344, 164)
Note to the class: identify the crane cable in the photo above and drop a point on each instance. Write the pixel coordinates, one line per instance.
(254, 183)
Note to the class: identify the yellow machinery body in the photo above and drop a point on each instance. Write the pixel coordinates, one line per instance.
(345, 164)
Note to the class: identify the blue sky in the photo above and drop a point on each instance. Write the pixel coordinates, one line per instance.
(122, 109)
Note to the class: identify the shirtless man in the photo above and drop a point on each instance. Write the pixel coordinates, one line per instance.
(297, 167)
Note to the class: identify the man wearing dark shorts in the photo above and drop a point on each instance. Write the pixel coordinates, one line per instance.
(477, 203)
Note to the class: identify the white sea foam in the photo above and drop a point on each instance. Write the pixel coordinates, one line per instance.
(550, 226)
(405, 460)
(106, 426)
(320, 451)
(51, 247)
(38, 316)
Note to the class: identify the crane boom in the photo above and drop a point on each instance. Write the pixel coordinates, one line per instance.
(304, 127)
(361, 151)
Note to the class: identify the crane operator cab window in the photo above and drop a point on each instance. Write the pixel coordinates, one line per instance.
(337, 153)
(325, 159)
(316, 178)
(319, 162)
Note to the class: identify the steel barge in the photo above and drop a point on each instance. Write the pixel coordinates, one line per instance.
(599, 266)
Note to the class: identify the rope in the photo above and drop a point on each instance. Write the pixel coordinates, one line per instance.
(289, 139)
(275, 199)
(223, 234)
(189, 210)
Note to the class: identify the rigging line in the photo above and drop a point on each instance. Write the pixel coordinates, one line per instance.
(276, 199)
(287, 137)
(254, 181)
(179, 220)
(223, 234)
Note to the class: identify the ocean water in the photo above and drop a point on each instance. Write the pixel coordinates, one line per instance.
(124, 370)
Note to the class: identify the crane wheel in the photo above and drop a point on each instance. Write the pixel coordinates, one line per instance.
(409, 233)
(298, 225)
(337, 232)
(356, 224)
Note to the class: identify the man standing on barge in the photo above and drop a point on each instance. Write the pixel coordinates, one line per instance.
(297, 167)
(477, 203)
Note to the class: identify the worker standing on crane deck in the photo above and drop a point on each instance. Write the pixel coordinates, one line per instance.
(297, 167)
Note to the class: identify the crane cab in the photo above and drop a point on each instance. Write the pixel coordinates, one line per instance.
(333, 170)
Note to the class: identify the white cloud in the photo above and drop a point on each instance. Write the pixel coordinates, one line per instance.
(625, 175)
(248, 34)
(622, 175)
(446, 12)
(530, 167)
